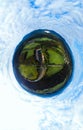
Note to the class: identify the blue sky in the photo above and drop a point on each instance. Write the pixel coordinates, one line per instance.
(20, 110)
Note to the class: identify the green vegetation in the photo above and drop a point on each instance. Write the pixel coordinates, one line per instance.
(28, 72)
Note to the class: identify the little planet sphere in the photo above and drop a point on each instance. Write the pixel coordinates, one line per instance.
(42, 62)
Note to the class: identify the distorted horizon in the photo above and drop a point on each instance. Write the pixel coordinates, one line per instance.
(20, 110)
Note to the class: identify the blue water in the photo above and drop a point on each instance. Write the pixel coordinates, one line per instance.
(20, 110)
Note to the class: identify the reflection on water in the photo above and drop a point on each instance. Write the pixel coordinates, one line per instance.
(63, 111)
